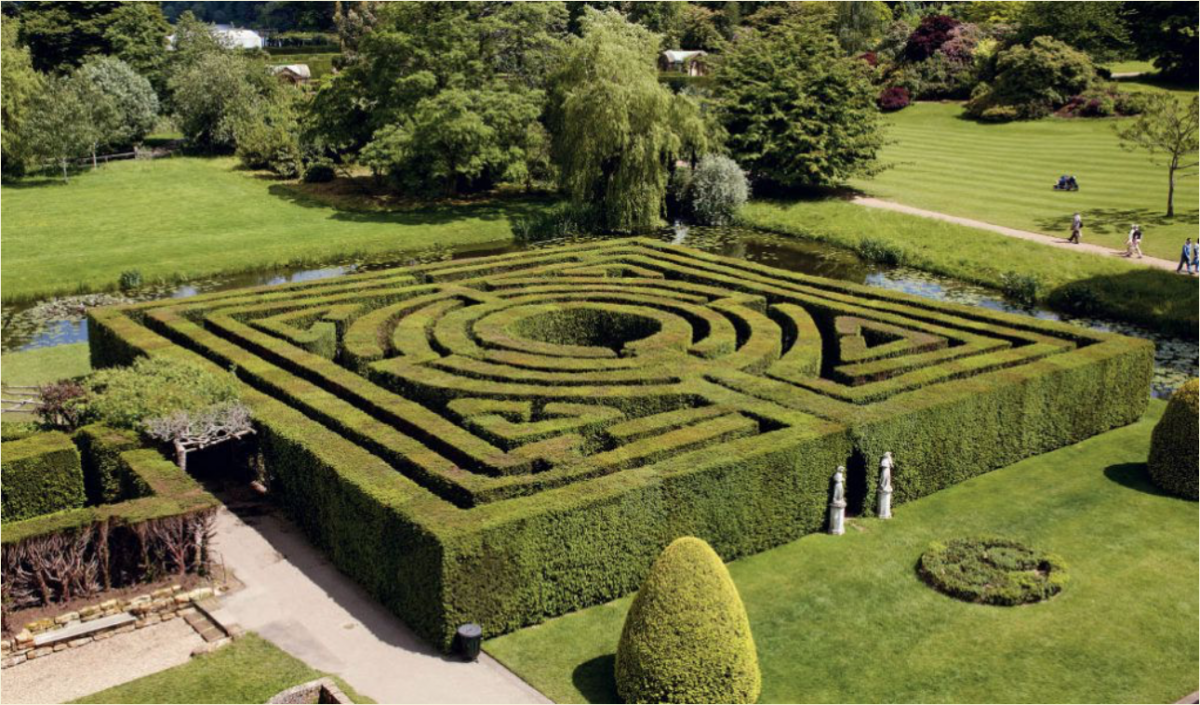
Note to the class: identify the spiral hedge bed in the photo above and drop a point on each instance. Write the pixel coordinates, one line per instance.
(509, 438)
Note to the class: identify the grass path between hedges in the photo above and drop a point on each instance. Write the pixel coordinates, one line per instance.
(845, 619)
(190, 217)
(1003, 174)
(250, 670)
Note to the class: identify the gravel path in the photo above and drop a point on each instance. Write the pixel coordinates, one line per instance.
(1013, 232)
(295, 598)
(87, 669)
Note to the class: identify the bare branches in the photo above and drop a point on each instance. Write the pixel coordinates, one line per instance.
(58, 567)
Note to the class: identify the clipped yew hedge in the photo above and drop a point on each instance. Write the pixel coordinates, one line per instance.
(510, 438)
(41, 474)
(687, 637)
(1174, 463)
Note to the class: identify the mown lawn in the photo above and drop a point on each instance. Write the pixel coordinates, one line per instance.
(1127, 291)
(188, 216)
(250, 670)
(846, 619)
(1004, 174)
(45, 365)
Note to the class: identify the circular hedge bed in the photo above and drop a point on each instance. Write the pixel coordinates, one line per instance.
(992, 571)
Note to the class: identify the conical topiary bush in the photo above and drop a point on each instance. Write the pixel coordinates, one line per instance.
(687, 638)
(1174, 464)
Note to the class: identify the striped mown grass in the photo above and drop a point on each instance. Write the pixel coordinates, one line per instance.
(1004, 174)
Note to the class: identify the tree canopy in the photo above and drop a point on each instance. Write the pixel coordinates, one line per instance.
(1097, 28)
(613, 137)
(1168, 33)
(798, 113)
(19, 86)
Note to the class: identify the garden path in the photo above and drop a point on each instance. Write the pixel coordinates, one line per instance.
(1012, 232)
(295, 598)
(93, 667)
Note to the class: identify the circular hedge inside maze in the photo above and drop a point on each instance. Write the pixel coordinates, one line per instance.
(992, 571)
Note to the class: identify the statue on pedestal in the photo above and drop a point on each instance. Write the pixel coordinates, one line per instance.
(885, 486)
(837, 504)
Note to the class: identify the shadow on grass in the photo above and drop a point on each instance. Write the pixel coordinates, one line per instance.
(431, 213)
(1113, 221)
(1134, 476)
(1163, 301)
(596, 679)
(41, 180)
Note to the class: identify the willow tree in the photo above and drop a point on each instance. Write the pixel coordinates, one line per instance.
(614, 139)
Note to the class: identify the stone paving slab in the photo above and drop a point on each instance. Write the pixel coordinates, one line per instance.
(74, 631)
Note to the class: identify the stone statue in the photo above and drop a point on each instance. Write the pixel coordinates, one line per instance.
(885, 486)
(837, 505)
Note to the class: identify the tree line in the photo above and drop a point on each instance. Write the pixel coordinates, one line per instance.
(440, 99)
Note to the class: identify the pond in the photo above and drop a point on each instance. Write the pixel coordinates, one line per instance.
(43, 324)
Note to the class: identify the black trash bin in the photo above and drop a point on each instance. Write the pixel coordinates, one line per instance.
(470, 641)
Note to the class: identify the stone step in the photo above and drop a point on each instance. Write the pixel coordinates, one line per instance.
(75, 631)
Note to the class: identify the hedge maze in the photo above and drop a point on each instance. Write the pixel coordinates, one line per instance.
(508, 438)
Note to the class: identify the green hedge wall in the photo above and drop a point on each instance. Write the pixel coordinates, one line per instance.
(463, 467)
(106, 474)
(41, 474)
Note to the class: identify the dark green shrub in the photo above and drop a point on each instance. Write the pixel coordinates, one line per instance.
(687, 638)
(558, 221)
(1078, 298)
(41, 474)
(992, 571)
(1173, 445)
(319, 172)
(130, 279)
(150, 388)
(1032, 81)
(1025, 289)
(878, 251)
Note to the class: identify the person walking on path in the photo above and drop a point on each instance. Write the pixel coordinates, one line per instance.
(1195, 268)
(1076, 229)
(1129, 241)
(1137, 240)
(1185, 258)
